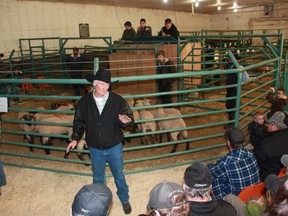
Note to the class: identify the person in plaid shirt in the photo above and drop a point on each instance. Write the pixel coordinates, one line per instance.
(235, 171)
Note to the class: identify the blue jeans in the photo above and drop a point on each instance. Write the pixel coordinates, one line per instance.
(114, 157)
(2, 175)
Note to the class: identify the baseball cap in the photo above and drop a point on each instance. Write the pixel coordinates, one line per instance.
(198, 176)
(273, 183)
(277, 119)
(92, 200)
(161, 196)
(235, 136)
(102, 75)
(284, 160)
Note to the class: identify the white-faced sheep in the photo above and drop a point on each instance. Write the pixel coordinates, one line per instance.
(172, 124)
(27, 127)
(146, 126)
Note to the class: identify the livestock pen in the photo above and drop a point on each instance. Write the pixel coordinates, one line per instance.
(200, 101)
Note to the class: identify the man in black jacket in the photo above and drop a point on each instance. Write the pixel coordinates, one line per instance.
(232, 78)
(75, 63)
(197, 185)
(165, 66)
(144, 30)
(270, 150)
(129, 31)
(169, 29)
(102, 114)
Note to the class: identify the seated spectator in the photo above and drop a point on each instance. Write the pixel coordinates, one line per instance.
(168, 199)
(2, 177)
(279, 204)
(129, 32)
(169, 29)
(278, 102)
(143, 30)
(91, 200)
(197, 185)
(235, 171)
(284, 161)
(257, 129)
(273, 146)
(256, 206)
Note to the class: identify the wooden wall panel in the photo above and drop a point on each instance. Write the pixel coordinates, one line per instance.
(133, 65)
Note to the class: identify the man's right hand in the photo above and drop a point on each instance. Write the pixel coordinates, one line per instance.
(71, 145)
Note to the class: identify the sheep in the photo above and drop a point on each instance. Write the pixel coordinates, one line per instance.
(38, 116)
(55, 106)
(136, 116)
(27, 128)
(82, 145)
(146, 126)
(168, 111)
(60, 106)
(172, 124)
(53, 129)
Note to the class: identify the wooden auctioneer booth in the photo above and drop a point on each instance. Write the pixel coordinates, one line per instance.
(139, 58)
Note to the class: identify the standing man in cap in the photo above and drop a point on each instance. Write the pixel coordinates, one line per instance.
(235, 171)
(169, 29)
(102, 114)
(91, 200)
(270, 150)
(197, 185)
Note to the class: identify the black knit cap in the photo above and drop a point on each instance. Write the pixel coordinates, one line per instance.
(101, 74)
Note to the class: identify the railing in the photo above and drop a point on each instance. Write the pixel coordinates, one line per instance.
(204, 115)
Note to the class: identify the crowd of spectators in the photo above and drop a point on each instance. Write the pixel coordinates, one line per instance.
(212, 189)
(169, 29)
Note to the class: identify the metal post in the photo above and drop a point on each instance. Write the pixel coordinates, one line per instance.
(96, 65)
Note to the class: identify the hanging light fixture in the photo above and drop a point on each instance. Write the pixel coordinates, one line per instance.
(165, 1)
(197, 3)
(235, 7)
(219, 5)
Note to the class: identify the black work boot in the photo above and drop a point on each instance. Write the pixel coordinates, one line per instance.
(127, 208)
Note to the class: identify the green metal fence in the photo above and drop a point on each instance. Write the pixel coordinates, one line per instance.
(205, 114)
